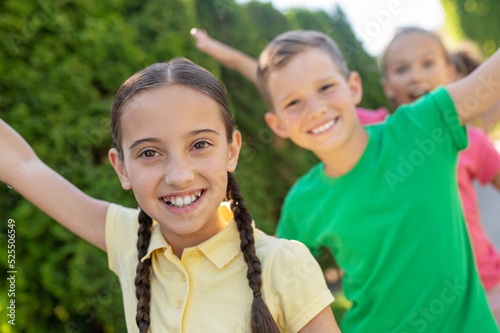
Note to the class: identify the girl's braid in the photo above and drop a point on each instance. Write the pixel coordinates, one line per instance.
(261, 319)
(142, 283)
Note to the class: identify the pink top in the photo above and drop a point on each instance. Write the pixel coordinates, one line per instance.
(479, 161)
(370, 117)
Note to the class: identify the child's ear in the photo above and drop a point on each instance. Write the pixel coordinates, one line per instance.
(276, 124)
(119, 167)
(233, 151)
(355, 86)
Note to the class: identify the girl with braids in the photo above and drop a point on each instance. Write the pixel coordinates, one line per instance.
(186, 262)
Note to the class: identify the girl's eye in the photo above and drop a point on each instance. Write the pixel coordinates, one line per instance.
(428, 63)
(401, 70)
(149, 153)
(201, 145)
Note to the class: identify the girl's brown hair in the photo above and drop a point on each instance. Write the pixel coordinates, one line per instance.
(181, 71)
(464, 62)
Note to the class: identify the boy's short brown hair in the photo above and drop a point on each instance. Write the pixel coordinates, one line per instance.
(283, 47)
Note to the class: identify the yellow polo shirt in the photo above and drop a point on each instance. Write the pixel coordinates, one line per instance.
(207, 289)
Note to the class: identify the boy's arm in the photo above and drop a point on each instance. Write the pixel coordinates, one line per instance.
(491, 117)
(46, 189)
(229, 57)
(476, 93)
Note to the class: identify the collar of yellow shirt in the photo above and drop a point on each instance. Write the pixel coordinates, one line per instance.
(211, 248)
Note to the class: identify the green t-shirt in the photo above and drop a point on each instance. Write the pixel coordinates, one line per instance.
(394, 224)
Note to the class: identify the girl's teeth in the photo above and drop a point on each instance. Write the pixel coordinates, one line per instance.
(182, 201)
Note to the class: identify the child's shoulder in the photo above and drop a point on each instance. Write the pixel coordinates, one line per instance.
(480, 146)
(122, 214)
(271, 248)
(437, 99)
(121, 223)
(475, 133)
(370, 117)
(287, 264)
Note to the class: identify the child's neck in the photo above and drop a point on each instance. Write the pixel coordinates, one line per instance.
(180, 242)
(344, 158)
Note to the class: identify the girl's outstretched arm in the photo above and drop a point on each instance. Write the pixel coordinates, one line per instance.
(324, 322)
(477, 92)
(46, 189)
(228, 56)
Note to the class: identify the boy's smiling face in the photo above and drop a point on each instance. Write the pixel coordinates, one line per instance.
(313, 102)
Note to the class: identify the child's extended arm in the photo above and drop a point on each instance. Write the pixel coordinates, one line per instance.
(491, 117)
(46, 189)
(323, 322)
(479, 91)
(229, 57)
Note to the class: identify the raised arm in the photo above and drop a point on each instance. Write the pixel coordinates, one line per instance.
(229, 57)
(491, 117)
(477, 92)
(46, 189)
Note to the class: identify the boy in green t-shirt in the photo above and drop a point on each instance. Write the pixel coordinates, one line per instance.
(384, 199)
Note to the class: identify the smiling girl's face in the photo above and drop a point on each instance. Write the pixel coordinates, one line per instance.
(175, 159)
(414, 65)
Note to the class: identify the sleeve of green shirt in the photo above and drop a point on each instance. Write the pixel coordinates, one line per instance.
(436, 119)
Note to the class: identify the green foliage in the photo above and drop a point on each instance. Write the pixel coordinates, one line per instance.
(475, 20)
(61, 63)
